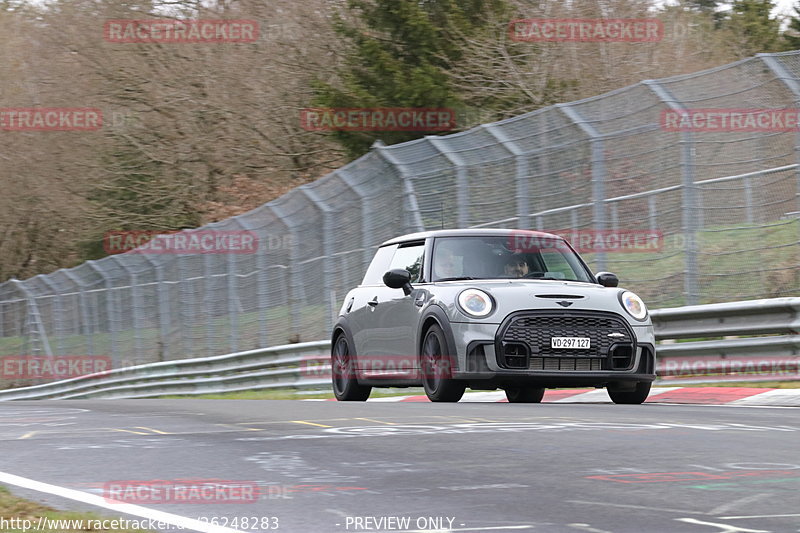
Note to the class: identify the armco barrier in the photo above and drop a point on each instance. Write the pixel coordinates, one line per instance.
(773, 356)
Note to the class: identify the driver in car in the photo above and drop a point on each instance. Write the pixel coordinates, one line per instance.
(516, 266)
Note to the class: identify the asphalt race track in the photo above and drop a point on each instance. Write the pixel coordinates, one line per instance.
(324, 467)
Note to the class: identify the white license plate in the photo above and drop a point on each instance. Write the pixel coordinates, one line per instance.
(579, 343)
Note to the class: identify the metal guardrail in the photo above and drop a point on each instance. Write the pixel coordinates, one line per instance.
(769, 357)
(769, 349)
(298, 366)
(752, 317)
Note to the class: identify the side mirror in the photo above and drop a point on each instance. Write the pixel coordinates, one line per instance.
(398, 278)
(607, 279)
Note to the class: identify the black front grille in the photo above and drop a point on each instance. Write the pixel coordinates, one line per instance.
(535, 329)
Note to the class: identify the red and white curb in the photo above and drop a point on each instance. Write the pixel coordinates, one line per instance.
(684, 395)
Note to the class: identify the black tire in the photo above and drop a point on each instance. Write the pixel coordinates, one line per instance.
(343, 375)
(636, 396)
(435, 364)
(525, 394)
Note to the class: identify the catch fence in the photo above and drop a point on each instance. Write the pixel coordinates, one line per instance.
(724, 202)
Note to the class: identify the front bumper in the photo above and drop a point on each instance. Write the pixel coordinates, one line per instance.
(478, 362)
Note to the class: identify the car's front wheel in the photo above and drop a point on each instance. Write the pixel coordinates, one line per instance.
(525, 394)
(436, 367)
(345, 384)
(635, 396)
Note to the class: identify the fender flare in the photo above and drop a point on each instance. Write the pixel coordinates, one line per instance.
(437, 314)
(341, 324)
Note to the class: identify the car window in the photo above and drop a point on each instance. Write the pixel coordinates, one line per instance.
(379, 265)
(409, 258)
(505, 258)
(556, 265)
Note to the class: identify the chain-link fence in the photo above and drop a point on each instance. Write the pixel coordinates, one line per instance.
(726, 203)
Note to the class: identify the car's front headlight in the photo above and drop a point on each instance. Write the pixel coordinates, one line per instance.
(475, 303)
(633, 305)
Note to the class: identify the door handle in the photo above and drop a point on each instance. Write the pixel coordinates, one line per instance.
(373, 302)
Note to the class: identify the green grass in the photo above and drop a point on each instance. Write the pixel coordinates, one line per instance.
(739, 262)
(20, 509)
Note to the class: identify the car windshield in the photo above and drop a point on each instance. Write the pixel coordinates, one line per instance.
(507, 257)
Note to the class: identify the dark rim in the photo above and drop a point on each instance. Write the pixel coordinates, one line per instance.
(341, 365)
(431, 356)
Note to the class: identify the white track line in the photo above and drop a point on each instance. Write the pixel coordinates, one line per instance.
(124, 508)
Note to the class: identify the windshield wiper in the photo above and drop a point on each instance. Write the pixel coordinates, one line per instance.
(462, 278)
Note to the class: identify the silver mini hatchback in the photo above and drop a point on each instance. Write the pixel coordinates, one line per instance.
(490, 309)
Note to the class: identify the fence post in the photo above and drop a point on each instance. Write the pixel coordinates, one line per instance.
(296, 289)
(261, 277)
(524, 207)
(790, 80)
(57, 328)
(411, 205)
(327, 248)
(34, 317)
(188, 319)
(598, 174)
(690, 207)
(462, 190)
(163, 308)
(366, 220)
(652, 212)
(133, 283)
(209, 280)
(87, 330)
(109, 313)
(234, 305)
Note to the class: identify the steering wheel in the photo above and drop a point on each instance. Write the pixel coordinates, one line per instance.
(534, 275)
